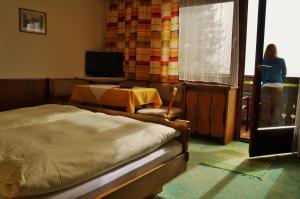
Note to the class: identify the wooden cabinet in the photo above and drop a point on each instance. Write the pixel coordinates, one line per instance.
(211, 110)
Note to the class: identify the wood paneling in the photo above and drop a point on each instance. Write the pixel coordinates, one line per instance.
(203, 110)
(17, 93)
(191, 108)
(218, 102)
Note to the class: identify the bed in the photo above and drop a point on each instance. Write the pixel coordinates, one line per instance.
(62, 151)
(138, 177)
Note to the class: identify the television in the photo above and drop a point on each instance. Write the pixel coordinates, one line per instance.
(104, 64)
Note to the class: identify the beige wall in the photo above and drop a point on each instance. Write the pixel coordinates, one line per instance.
(73, 26)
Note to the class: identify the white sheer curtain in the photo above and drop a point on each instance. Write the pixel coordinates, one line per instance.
(208, 41)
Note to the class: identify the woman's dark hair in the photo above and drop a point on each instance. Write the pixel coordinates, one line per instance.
(271, 52)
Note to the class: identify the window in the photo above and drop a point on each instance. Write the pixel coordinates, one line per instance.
(280, 29)
(206, 43)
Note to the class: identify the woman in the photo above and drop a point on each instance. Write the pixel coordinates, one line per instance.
(274, 70)
(273, 76)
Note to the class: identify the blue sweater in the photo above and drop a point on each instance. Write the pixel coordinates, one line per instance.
(274, 74)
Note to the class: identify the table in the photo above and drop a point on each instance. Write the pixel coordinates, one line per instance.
(113, 95)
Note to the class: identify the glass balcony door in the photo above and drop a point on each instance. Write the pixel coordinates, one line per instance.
(274, 101)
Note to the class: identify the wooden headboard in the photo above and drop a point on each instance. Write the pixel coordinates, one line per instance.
(17, 93)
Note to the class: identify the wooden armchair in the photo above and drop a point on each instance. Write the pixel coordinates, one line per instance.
(168, 112)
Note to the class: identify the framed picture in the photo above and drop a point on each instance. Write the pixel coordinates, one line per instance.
(32, 21)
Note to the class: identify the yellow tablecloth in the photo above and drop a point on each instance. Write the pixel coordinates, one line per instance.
(121, 97)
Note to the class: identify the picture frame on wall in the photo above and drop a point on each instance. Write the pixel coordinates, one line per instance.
(32, 21)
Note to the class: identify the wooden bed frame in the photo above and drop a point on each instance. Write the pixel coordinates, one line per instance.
(17, 93)
(149, 183)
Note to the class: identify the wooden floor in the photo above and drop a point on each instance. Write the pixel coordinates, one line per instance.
(244, 134)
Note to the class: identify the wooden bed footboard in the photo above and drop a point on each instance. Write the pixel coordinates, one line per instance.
(182, 125)
(150, 183)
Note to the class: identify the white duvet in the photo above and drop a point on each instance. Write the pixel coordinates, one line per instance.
(52, 147)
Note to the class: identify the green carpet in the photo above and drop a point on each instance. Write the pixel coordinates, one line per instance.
(235, 161)
(279, 175)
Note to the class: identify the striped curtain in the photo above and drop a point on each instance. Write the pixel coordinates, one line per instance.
(146, 31)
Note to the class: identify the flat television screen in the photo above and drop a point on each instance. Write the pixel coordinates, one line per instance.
(104, 64)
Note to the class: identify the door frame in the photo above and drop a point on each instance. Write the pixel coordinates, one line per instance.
(272, 140)
(243, 18)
